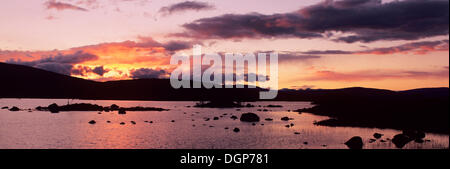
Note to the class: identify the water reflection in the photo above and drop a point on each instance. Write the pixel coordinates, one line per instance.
(190, 130)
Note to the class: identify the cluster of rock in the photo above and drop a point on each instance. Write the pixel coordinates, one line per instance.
(54, 108)
(399, 140)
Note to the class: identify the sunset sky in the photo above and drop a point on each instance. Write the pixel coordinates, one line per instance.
(386, 44)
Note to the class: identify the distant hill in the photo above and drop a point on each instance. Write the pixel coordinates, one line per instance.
(20, 81)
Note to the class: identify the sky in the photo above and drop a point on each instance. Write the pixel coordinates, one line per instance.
(387, 44)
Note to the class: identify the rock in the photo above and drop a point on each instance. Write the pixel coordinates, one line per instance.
(114, 107)
(6, 107)
(253, 124)
(268, 119)
(233, 117)
(226, 128)
(14, 109)
(305, 143)
(211, 126)
(132, 122)
(122, 111)
(53, 108)
(216, 118)
(122, 123)
(92, 122)
(236, 130)
(400, 140)
(172, 121)
(372, 140)
(287, 126)
(151, 122)
(206, 119)
(146, 121)
(285, 118)
(99, 113)
(292, 124)
(377, 135)
(249, 117)
(355, 143)
(108, 121)
(383, 141)
(249, 105)
(296, 133)
(274, 105)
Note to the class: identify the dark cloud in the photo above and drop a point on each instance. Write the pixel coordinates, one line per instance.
(291, 56)
(171, 46)
(146, 73)
(100, 70)
(60, 68)
(177, 45)
(414, 47)
(185, 6)
(359, 20)
(252, 25)
(53, 4)
(80, 70)
(61, 63)
(295, 56)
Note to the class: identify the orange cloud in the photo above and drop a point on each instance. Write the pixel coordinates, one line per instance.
(121, 59)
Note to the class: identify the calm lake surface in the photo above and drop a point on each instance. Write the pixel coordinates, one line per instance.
(65, 130)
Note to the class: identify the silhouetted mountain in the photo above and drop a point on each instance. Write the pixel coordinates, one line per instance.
(26, 82)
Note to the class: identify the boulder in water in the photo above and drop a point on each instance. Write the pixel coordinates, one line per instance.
(92, 122)
(53, 108)
(122, 111)
(14, 109)
(377, 135)
(355, 143)
(285, 118)
(400, 140)
(114, 107)
(249, 117)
